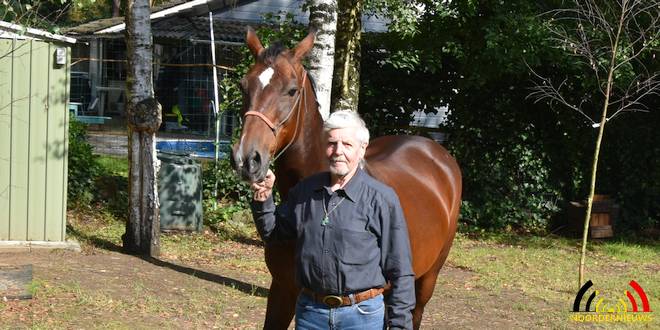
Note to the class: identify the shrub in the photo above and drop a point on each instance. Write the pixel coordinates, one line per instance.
(233, 193)
(83, 167)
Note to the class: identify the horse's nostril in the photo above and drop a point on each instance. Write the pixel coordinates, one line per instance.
(254, 162)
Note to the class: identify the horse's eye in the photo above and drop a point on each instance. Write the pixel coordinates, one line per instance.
(292, 91)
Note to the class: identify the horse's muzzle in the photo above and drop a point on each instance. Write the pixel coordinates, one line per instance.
(252, 168)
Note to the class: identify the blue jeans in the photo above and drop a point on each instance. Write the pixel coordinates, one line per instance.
(369, 314)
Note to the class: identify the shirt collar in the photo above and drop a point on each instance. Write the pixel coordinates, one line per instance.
(351, 190)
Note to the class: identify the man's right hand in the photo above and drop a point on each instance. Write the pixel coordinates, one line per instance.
(263, 189)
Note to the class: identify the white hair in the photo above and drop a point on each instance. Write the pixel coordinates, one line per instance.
(345, 119)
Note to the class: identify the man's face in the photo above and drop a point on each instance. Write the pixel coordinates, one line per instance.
(344, 151)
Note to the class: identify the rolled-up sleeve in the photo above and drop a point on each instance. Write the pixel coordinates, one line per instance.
(396, 262)
(273, 223)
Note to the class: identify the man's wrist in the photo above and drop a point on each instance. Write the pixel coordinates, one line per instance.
(265, 206)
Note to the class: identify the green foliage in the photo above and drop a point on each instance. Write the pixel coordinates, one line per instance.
(630, 169)
(476, 64)
(233, 193)
(513, 189)
(88, 10)
(82, 165)
(522, 161)
(111, 192)
(41, 14)
(231, 188)
(52, 15)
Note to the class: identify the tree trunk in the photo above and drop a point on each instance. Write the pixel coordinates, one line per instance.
(144, 118)
(323, 18)
(346, 82)
(116, 5)
(599, 140)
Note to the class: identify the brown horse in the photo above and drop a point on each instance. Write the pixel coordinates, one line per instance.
(282, 123)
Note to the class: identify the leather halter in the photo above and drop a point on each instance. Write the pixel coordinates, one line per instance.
(274, 128)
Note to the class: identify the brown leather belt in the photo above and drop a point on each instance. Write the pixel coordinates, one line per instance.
(333, 301)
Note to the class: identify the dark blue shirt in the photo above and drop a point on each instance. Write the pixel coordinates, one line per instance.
(363, 245)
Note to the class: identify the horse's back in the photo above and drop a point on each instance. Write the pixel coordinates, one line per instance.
(427, 180)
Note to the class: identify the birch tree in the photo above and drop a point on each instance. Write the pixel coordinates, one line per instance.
(323, 19)
(116, 5)
(346, 80)
(612, 40)
(144, 118)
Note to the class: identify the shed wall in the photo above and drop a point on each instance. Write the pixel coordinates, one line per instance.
(33, 141)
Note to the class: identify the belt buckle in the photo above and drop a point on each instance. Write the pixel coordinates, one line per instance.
(333, 301)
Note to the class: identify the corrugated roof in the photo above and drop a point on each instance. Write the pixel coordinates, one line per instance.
(186, 19)
(11, 30)
(93, 26)
(197, 28)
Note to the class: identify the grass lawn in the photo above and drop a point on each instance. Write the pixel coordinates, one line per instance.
(217, 278)
(546, 268)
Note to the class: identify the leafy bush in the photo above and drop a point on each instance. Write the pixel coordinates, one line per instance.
(507, 183)
(231, 188)
(522, 162)
(83, 167)
(516, 173)
(630, 170)
(112, 186)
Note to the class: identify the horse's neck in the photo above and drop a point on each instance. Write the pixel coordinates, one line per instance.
(305, 156)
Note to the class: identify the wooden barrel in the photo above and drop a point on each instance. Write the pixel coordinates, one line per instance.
(603, 215)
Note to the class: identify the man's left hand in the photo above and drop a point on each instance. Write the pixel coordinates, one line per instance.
(264, 188)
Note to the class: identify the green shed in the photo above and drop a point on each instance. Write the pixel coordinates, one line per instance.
(34, 121)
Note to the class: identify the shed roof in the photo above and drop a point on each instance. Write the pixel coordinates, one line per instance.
(11, 30)
(170, 10)
(186, 19)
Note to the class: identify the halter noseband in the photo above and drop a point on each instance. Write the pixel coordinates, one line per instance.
(274, 128)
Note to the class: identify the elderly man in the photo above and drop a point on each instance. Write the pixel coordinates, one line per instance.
(351, 238)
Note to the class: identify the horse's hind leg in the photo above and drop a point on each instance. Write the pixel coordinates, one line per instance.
(424, 287)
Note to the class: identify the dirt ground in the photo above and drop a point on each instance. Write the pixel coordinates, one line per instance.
(102, 288)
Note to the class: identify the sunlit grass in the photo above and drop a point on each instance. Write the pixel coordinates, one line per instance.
(546, 267)
(114, 165)
(541, 269)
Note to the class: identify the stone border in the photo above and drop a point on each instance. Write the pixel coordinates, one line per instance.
(29, 246)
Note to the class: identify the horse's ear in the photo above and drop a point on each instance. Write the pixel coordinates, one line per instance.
(305, 45)
(253, 42)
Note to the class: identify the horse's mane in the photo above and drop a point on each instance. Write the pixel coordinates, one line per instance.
(269, 55)
(313, 82)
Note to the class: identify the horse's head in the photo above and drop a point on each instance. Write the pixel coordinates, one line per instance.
(273, 91)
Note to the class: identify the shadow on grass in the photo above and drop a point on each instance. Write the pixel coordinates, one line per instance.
(230, 234)
(244, 287)
(93, 240)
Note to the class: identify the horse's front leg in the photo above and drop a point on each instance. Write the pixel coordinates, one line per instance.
(283, 291)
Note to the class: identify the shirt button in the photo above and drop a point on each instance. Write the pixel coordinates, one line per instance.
(326, 251)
